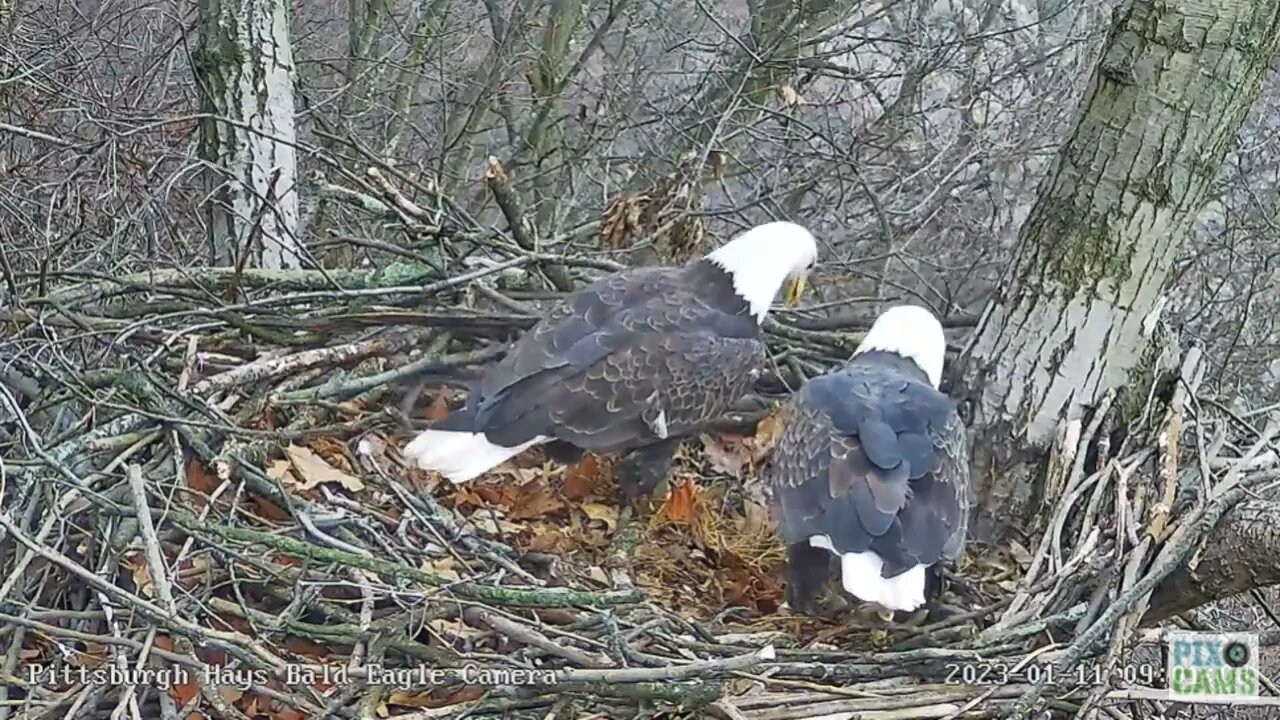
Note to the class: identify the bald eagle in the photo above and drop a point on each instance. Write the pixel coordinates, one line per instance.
(631, 363)
(873, 468)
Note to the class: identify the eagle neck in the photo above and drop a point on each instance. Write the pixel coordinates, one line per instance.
(754, 283)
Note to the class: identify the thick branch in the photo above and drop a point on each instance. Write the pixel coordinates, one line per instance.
(1240, 556)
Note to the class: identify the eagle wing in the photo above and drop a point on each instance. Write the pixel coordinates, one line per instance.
(636, 356)
(875, 460)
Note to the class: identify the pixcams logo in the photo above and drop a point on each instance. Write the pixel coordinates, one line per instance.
(1212, 666)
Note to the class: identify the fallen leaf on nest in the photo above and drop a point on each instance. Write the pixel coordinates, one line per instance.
(727, 453)
(404, 698)
(680, 505)
(768, 431)
(475, 495)
(597, 573)
(442, 568)
(521, 475)
(755, 520)
(305, 648)
(315, 470)
(438, 409)
(533, 501)
(489, 522)
(581, 477)
(281, 469)
(141, 571)
(200, 480)
(231, 695)
(550, 541)
(604, 513)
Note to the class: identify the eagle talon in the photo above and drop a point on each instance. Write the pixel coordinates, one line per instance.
(641, 471)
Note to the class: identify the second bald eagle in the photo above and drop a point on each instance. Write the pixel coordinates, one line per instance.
(633, 362)
(873, 467)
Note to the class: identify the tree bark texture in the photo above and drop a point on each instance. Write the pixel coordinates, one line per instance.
(244, 65)
(1240, 555)
(1172, 88)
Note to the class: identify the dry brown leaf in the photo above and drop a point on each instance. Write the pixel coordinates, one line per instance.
(314, 470)
(492, 523)
(470, 496)
(405, 698)
(305, 648)
(606, 514)
(597, 573)
(550, 541)
(231, 695)
(755, 515)
(534, 500)
(681, 502)
(768, 431)
(442, 568)
(438, 409)
(200, 480)
(728, 453)
(581, 478)
(141, 571)
(185, 692)
(280, 470)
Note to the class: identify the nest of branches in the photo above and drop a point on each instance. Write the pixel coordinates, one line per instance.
(205, 514)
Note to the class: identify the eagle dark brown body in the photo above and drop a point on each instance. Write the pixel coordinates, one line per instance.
(873, 469)
(632, 363)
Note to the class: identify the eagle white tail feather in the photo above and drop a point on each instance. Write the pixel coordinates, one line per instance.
(860, 576)
(461, 456)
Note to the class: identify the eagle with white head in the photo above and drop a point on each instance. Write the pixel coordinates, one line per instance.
(632, 363)
(873, 469)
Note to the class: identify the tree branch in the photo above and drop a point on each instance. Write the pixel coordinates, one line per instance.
(1240, 556)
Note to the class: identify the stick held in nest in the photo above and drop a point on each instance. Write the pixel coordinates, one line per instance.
(636, 359)
(873, 467)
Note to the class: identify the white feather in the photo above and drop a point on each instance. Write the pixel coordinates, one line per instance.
(860, 576)
(660, 424)
(461, 456)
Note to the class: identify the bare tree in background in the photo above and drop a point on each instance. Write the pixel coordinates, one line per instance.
(244, 67)
(1172, 89)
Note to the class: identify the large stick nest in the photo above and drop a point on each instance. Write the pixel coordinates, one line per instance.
(201, 477)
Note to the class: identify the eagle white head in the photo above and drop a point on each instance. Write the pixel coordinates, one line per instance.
(764, 259)
(912, 332)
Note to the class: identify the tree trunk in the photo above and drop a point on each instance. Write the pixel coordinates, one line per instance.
(244, 65)
(1174, 84)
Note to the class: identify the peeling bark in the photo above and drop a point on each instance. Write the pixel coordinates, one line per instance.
(1175, 82)
(1239, 556)
(244, 66)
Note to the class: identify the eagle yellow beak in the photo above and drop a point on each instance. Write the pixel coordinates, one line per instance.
(792, 289)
